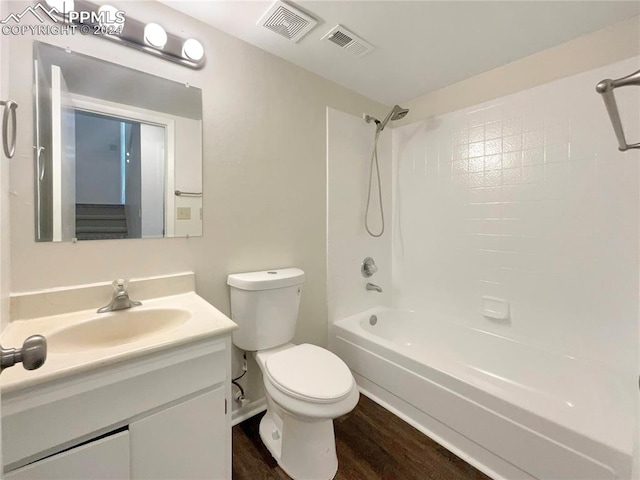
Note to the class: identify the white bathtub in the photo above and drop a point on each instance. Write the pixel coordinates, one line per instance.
(510, 409)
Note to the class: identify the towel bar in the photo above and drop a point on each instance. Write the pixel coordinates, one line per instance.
(180, 193)
(605, 88)
(9, 109)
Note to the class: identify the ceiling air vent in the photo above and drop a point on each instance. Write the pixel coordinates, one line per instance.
(287, 21)
(348, 41)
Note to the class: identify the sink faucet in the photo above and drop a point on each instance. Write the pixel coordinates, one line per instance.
(373, 286)
(120, 299)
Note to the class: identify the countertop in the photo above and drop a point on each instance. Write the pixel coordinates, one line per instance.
(206, 321)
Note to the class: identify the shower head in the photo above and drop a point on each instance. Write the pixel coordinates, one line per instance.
(396, 113)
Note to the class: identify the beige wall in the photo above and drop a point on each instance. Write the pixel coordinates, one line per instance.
(4, 185)
(603, 47)
(264, 172)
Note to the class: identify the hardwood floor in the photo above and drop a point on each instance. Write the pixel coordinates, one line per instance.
(372, 444)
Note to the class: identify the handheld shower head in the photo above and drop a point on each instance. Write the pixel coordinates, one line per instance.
(396, 113)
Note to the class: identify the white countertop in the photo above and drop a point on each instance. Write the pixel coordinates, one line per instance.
(206, 321)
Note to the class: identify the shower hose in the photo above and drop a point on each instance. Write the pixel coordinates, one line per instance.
(374, 162)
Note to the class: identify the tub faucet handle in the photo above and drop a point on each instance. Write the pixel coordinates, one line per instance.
(368, 267)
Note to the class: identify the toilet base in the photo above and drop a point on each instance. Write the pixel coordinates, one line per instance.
(305, 450)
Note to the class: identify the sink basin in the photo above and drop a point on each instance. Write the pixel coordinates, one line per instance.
(116, 328)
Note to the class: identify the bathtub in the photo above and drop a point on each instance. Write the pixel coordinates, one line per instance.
(512, 410)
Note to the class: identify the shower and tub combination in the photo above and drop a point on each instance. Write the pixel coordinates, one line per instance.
(505, 327)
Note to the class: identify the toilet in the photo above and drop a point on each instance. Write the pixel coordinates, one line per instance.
(306, 386)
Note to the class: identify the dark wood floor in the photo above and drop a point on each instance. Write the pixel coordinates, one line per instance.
(371, 443)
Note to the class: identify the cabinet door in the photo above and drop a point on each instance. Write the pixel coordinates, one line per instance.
(187, 441)
(104, 459)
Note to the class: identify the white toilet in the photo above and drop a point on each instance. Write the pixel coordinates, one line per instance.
(306, 386)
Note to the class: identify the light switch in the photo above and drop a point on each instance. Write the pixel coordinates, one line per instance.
(184, 213)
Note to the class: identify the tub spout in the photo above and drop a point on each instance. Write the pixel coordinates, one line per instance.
(373, 286)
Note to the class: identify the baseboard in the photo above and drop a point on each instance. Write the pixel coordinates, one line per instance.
(249, 410)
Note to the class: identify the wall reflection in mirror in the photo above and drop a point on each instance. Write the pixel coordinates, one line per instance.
(118, 152)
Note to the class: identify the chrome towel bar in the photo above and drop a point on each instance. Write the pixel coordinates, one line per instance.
(9, 110)
(605, 88)
(180, 193)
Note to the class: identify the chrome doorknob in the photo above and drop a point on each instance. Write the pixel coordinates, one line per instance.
(32, 355)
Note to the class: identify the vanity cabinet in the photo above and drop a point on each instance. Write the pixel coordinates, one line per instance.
(103, 459)
(161, 415)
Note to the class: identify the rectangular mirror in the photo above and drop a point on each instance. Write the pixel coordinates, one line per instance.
(118, 152)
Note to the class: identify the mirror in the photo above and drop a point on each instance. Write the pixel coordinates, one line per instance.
(118, 152)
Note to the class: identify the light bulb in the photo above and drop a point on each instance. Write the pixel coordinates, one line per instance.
(192, 49)
(107, 15)
(155, 35)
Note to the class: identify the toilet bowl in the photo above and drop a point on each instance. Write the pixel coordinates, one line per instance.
(306, 386)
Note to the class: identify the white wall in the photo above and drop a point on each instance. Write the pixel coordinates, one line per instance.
(152, 191)
(525, 198)
(188, 177)
(5, 259)
(349, 147)
(264, 147)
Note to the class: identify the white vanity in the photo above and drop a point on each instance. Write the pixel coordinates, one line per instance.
(120, 396)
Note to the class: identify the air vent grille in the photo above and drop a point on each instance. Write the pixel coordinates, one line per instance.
(357, 48)
(348, 41)
(287, 21)
(339, 38)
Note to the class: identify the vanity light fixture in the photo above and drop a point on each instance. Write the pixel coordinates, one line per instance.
(112, 23)
(155, 35)
(192, 49)
(62, 6)
(108, 15)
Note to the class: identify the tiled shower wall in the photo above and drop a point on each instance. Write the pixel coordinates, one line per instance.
(527, 199)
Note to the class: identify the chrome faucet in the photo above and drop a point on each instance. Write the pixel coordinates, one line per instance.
(373, 286)
(120, 299)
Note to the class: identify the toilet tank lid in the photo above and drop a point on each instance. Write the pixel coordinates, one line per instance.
(266, 280)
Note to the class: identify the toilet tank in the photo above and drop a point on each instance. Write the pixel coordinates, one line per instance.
(265, 307)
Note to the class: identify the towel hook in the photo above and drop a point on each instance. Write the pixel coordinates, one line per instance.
(9, 109)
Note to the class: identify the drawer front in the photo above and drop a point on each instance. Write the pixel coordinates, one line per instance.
(104, 459)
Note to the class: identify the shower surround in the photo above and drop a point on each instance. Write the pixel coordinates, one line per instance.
(523, 203)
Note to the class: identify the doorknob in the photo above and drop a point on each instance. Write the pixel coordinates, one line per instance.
(32, 355)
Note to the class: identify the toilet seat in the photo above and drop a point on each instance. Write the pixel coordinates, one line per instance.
(310, 373)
